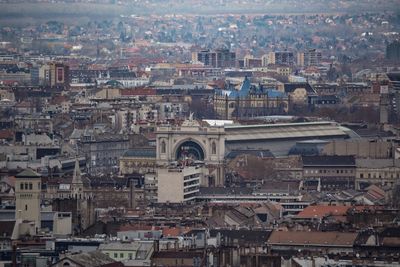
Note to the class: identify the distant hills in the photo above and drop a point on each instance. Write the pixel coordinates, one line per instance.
(106, 9)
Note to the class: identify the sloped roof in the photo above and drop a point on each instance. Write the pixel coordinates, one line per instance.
(321, 211)
(262, 153)
(243, 235)
(291, 87)
(304, 238)
(28, 173)
(93, 259)
(247, 88)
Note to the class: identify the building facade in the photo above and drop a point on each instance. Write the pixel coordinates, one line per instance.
(249, 101)
(220, 58)
(178, 185)
(311, 57)
(279, 58)
(102, 151)
(195, 142)
(140, 160)
(28, 188)
(329, 172)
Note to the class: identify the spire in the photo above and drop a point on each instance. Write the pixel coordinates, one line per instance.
(76, 178)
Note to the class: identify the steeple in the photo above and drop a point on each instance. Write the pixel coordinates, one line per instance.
(76, 178)
(77, 184)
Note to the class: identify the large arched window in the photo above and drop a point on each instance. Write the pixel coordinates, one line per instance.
(213, 148)
(191, 150)
(163, 147)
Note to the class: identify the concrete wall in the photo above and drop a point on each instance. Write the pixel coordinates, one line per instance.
(361, 148)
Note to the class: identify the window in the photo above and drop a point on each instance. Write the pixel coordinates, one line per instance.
(30, 186)
(213, 148)
(115, 255)
(130, 255)
(21, 186)
(26, 207)
(121, 255)
(163, 147)
(26, 186)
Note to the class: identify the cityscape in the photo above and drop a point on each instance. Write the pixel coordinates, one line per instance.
(199, 133)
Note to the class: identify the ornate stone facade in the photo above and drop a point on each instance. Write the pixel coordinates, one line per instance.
(192, 141)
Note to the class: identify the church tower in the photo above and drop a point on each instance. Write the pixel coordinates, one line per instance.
(77, 184)
(28, 187)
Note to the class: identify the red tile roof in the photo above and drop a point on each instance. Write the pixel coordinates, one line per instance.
(175, 231)
(320, 211)
(6, 134)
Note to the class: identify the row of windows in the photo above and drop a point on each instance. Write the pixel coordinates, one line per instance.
(191, 176)
(195, 182)
(28, 186)
(338, 186)
(25, 195)
(121, 255)
(379, 175)
(191, 189)
(329, 171)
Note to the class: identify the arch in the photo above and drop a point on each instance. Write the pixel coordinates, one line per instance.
(189, 148)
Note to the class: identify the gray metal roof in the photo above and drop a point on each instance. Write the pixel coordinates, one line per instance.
(286, 131)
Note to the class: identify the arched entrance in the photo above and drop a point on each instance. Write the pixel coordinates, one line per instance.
(189, 150)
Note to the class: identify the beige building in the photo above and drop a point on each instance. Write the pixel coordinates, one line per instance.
(180, 184)
(27, 197)
(278, 57)
(139, 160)
(384, 172)
(192, 141)
(130, 254)
(380, 149)
(62, 224)
(311, 57)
